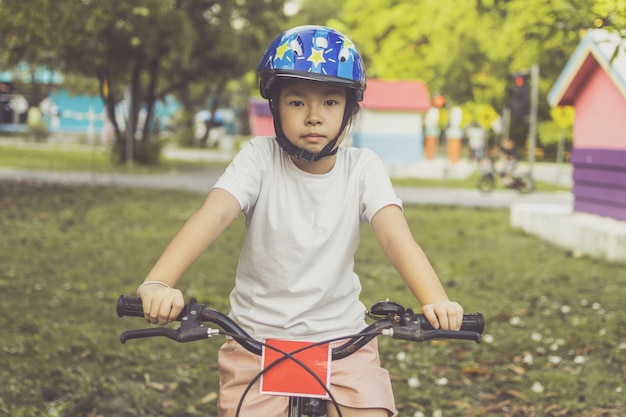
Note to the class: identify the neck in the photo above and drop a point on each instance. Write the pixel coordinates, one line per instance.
(321, 166)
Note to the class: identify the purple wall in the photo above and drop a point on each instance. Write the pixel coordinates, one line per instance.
(600, 182)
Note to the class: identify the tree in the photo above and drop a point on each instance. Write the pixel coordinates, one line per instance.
(315, 12)
(28, 37)
(141, 51)
(464, 49)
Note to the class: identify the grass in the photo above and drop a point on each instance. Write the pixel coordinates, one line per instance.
(554, 342)
(469, 182)
(85, 158)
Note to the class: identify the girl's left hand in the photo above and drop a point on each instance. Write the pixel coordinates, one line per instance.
(446, 315)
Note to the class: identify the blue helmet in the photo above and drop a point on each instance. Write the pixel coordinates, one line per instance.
(314, 53)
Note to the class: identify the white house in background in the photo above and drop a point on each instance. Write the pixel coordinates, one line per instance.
(391, 122)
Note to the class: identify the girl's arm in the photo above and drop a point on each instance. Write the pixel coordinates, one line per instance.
(408, 258)
(163, 304)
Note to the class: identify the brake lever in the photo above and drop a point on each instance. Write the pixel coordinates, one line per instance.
(191, 327)
(451, 334)
(153, 332)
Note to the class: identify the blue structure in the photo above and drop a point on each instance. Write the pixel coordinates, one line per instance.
(64, 112)
(76, 114)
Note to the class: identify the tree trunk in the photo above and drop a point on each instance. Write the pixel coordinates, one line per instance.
(150, 151)
(217, 95)
(106, 93)
(134, 100)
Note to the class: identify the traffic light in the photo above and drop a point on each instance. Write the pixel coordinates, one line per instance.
(439, 101)
(519, 93)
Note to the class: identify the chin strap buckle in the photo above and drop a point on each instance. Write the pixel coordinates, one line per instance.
(306, 156)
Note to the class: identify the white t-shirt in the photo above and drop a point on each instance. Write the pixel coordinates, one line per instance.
(295, 278)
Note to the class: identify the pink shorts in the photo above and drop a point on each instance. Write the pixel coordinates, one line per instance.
(357, 381)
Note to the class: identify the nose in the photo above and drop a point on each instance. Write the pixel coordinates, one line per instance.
(313, 117)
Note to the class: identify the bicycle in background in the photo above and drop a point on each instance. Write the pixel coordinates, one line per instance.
(522, 182)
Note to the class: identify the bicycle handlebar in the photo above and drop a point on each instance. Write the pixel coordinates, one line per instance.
(391, 319)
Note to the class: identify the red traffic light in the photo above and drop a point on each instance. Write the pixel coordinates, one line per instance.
(520, 81)
(439, 101)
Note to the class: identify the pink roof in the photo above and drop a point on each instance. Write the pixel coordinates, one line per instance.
(597, 48)
(396, 95)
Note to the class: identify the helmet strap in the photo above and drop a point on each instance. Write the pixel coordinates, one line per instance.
(303, 154)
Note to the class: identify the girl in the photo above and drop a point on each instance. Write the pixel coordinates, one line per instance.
(304, 200)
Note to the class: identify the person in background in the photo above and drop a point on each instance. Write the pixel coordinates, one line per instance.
(508, 152)
(476, 135)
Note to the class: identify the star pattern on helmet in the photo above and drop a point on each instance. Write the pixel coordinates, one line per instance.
(316, 57)
(347, 43)
(281, 50)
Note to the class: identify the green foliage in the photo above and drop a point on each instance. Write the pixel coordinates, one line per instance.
(553, 345)
(465, 49)
(551, 137)
(38, 130)
(315, 12)
(146, 49)
(139, 51)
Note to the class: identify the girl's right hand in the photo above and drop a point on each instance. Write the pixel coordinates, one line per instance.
(161, 305)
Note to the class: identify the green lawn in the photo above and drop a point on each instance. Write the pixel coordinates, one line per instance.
(83, 158)
(98, 159)
(554, 343)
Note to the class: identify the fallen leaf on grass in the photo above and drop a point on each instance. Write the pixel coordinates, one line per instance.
(211, 396)
(523, 411)
(490, 409)
(607, 412)
(516, 394)
(460, 405)
(555, 410)
(517, 369)
(552, 394)
(502, 378)
(474, 371)
(414, 405)
(158, 386)
(82, 355)
(488, 396)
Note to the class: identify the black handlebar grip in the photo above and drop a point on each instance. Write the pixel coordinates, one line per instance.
(129, 306)
(472, 322)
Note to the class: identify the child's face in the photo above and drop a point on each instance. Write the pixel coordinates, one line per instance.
(311, 113)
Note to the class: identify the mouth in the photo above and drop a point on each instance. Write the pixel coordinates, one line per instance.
(313, 137)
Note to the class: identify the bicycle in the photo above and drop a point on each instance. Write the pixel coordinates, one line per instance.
(391, 319)
(522, 182)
